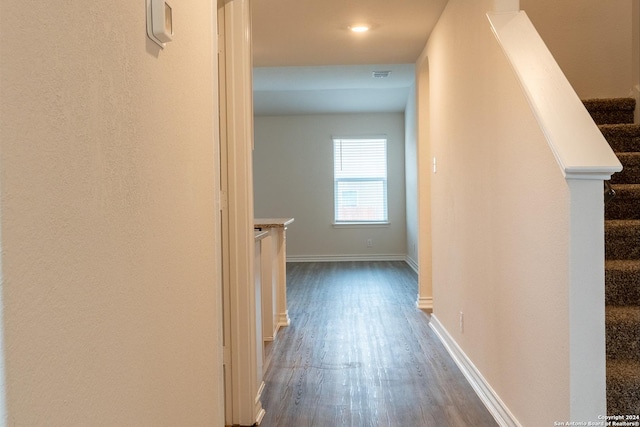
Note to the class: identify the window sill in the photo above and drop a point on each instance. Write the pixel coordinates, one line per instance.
(360, 224)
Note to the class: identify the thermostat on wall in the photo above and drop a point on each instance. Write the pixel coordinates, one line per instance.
(159, 21)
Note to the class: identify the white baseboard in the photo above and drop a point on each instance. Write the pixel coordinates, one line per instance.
(338, 258)
(258, 405)
(489, 397)
(283, 321)
(412, 263)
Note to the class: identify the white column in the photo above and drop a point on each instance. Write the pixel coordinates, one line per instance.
(281, 260)
(269, 288)
(259, 383)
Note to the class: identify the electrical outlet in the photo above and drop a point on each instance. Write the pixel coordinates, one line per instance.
(435, 166)
(369, 243)
(461, 322)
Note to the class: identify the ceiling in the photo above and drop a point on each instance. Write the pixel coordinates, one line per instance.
(307, 61)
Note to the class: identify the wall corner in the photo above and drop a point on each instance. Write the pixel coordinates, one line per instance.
(503, 6)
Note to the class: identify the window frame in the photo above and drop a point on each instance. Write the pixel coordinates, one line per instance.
(361, 222)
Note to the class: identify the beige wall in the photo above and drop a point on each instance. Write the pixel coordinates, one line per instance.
(111, 303)
(592, 42)
(500, 214)
(293, 177)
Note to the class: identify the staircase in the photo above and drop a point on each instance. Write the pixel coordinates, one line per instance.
(622, 255)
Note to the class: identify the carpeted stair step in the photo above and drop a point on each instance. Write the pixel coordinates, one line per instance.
(623, 138)
(626, 204)
(611, 110)
(622, 251)
(623, 332)
(623, 387)
(622, 282)
(622, 239)
(631, 169)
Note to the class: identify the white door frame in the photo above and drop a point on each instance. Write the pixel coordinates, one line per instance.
(224, 214)
(242, 393)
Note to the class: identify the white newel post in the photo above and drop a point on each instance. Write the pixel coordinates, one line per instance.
(587, 357)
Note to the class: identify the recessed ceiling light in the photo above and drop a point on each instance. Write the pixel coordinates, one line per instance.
(360, 28)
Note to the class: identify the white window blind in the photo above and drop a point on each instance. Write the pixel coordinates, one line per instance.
(360, 180)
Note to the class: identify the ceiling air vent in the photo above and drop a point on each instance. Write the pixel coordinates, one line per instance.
(381, 74)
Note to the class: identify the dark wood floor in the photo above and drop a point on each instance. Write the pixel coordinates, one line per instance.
(359, 353)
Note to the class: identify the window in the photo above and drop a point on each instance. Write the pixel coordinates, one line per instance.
(360, 180)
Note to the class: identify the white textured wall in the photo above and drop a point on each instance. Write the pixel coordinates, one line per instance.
(293, 177)
(411, 176)
(110, 295)
(591, 41)
(500, 213)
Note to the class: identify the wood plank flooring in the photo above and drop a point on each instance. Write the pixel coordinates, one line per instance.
(359, 353)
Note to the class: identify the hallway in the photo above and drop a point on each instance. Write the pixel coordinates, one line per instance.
(359, 353)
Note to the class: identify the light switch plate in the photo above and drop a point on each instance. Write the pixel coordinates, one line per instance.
(159, 21)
